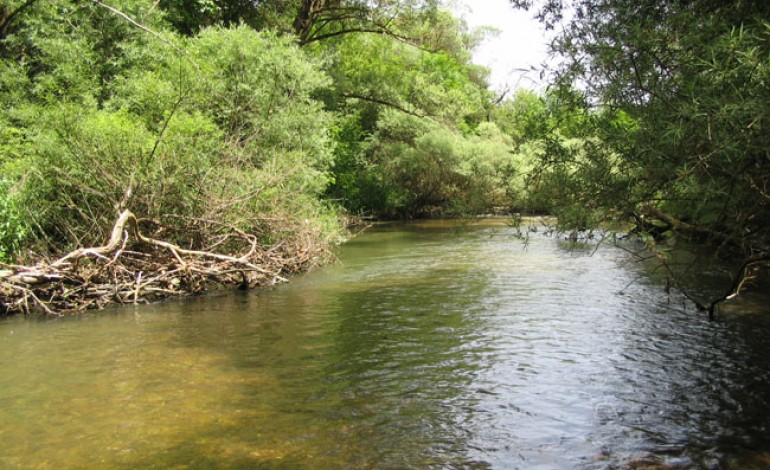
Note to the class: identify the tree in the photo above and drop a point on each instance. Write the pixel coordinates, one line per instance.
(309, 20)
(190, 16)
(9, 13)
(103, 108)
(404, 114)
(679, 92)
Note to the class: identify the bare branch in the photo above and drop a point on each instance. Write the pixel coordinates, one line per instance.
(96, 276)
(142, 27)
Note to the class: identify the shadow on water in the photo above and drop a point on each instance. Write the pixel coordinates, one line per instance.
(428, 345)
(692, 396)
(679, 391)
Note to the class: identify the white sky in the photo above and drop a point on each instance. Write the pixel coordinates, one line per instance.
(522, 42)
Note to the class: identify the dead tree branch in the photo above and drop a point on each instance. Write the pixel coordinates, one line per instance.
(132, 267)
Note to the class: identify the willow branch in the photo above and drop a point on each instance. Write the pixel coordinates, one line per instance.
(389, 104)
(6, 21)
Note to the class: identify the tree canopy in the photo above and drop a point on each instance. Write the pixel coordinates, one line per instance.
(676, 92)
(260, 115)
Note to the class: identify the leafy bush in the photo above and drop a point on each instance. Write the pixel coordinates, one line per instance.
(13, 229)
(228, 133)
(427, 168)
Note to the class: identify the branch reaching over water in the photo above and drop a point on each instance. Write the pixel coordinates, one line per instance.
(742, 276)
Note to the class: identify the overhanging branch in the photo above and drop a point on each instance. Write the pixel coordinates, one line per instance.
(372, 99)
(6, 20)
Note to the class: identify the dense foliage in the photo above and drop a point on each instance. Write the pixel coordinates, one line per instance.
(673, 109)
(271, 117)
(676, 94)
(101, 116)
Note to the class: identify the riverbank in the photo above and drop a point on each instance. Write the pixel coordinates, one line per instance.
(136, 268)
(133, 268)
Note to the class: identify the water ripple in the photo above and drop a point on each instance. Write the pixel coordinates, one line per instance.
(428, 346)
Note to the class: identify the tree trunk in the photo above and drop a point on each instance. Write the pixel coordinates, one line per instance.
(303, 24)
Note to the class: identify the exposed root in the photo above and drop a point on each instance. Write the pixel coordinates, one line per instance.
(134, 268)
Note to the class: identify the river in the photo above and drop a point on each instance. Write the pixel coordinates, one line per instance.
(428, 345)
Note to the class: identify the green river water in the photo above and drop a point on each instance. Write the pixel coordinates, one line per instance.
(428, 345)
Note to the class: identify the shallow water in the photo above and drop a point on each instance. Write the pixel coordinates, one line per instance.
(429, 345)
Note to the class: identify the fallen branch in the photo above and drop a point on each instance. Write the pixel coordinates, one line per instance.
(135, 268)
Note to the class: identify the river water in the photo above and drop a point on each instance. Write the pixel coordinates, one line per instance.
(428, 345)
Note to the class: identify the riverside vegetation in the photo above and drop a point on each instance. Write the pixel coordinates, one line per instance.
(218, 142)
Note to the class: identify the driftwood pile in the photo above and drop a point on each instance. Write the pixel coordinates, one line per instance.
(134, 268)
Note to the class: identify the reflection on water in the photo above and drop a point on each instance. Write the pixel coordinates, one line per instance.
(428, 345)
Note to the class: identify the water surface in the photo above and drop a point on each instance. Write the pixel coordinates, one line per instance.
(429, 345)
